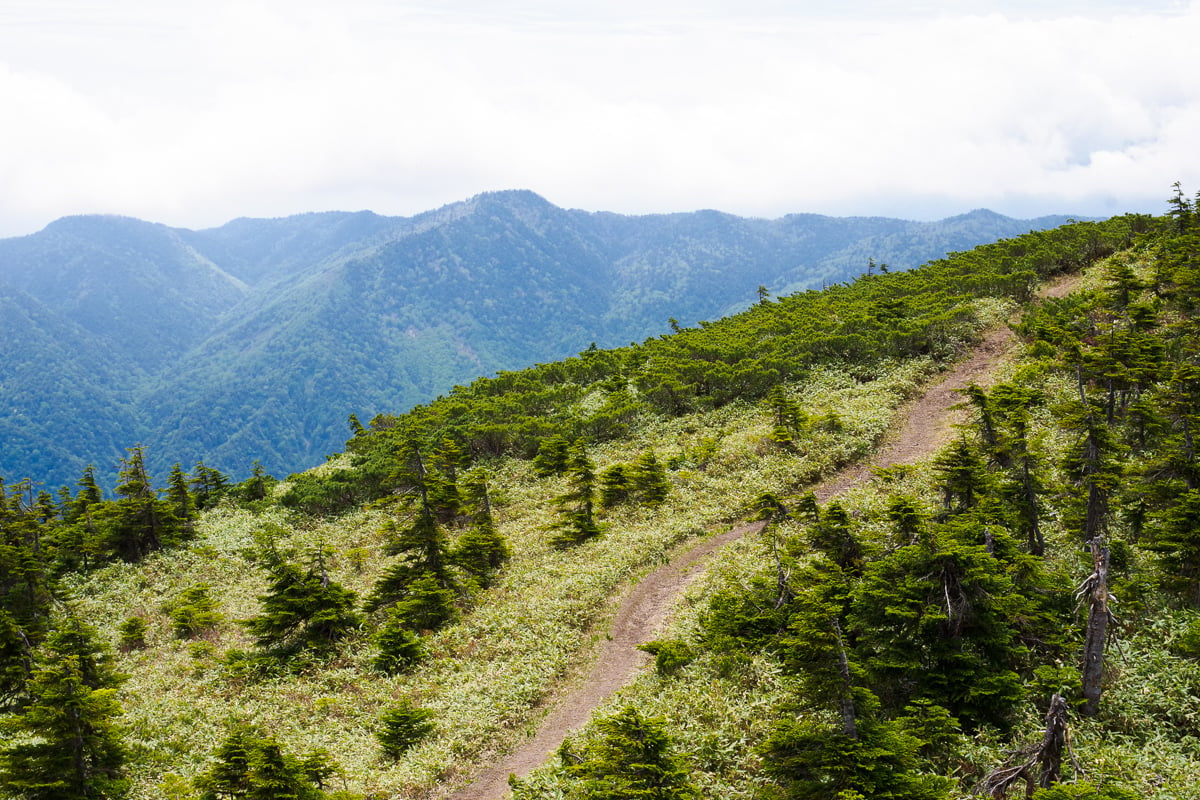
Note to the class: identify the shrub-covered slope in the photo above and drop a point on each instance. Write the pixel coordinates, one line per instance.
(379, 625)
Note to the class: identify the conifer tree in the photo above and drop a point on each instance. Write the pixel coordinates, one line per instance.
(397, 644)
(787, 417)
(194, 611)
(553, 456)
(139, 522)
(420, 581)
(1176, 541)
(481, 550)
(441, 480)
(577, 522)
(833, 537)
(208, 485)
(79, 542)
(251, 765)
(179, 496)
(962, 477)
(303, 609)
(631, 760)
(25, 570)
(66, 744)
(935, 620)
(255, 487)
(15, 661)
(615, 485)
(649, 480)
(403, 726)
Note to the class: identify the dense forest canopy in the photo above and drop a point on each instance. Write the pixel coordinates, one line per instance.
(254, 340)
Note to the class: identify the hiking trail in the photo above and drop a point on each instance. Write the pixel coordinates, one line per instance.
(922, 426)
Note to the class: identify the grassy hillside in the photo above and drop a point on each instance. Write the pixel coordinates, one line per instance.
(763, 402)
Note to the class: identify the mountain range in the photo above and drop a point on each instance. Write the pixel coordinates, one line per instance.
(255, 340)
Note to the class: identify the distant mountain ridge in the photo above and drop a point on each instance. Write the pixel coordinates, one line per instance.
(256, 339)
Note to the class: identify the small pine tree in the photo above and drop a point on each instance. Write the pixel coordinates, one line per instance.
(209, 486)
(427, 604)
(403, 726)
(787, 418)
(303, 609)
(398, 646)
(250, 765)
(178, 495)
(480, 550)
(139, 522)
(66, 744)
(194, 612)
(15, 661)
(553, 457)
(577, 522)
(616, 485)
(133, 634)
(631, 759)
(649, 480)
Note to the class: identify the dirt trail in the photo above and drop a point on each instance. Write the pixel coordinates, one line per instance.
(927, 423)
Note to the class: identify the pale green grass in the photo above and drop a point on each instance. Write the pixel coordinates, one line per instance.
(487, 674)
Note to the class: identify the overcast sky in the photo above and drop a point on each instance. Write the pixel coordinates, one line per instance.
(193, 113)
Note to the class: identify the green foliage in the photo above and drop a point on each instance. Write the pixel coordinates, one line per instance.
(427, 604)
(402, 727)
(616, 485)
(194, 612)
(398, 646)
(632, 758)
(788, 419)
(670, 655)
(836, 611)
(813, 762)
(577, 522)
(139, 522)
(649, 480)
(938, 624)
(251, 765)
(133, 633)
(208, 486)
(552, 456)
(323, 495)
(1084, 791)
(303, 609)
(65, 743)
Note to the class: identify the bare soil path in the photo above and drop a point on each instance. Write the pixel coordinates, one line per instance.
(924, 425)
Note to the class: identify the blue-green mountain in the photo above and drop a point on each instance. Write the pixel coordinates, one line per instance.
(257, 339)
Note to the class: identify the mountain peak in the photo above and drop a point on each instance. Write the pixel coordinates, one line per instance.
(978, 215)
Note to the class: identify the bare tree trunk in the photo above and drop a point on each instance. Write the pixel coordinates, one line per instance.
(1053, 743)
(1096, 588)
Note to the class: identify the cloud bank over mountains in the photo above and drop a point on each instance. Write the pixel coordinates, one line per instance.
(195, 114)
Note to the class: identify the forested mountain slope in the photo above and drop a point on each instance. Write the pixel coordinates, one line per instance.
(255, 340)
(378, 626)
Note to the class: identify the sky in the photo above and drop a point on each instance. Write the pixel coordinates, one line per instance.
(194, 113)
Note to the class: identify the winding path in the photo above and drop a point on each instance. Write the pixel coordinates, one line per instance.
(924, 425)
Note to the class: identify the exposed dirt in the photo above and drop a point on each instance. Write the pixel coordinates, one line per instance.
(924, 425)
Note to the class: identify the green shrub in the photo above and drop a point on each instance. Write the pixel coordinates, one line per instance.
(402, 727)
(670, 655)
(133, 634)
(1084, 791)
(194, 612)
(399, 647)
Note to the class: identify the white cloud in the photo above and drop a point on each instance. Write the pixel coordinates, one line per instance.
(194, 114)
